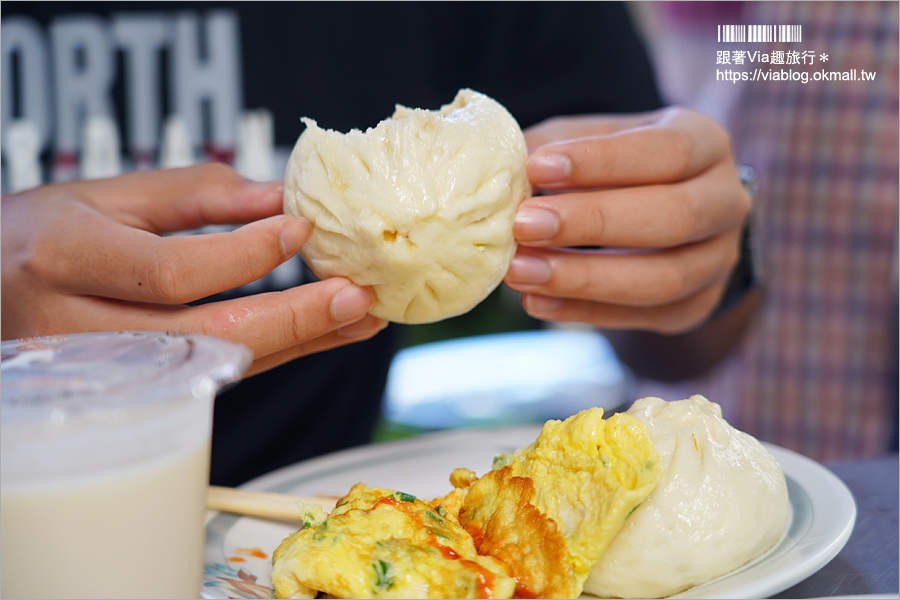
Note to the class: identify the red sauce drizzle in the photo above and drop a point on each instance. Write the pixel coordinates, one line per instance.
(254, 552)
(404, 507)
(522, 591)
(448, 553)
(484, 579)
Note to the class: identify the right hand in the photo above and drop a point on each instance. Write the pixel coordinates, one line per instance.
(664, 186)
(89, 256)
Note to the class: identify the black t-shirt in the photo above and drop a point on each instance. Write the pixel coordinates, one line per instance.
(346, 65)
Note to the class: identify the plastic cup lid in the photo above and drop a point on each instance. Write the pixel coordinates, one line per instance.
(90, 372)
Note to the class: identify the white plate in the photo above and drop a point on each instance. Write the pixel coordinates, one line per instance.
(239, 549)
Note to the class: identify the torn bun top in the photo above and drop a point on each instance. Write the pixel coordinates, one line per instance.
(419, 207)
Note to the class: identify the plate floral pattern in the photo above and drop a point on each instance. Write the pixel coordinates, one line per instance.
(234, 583)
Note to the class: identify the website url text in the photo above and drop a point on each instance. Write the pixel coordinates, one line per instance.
(735, 76)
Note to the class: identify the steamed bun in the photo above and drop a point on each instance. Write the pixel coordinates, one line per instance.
(722, 501)
(419, 207)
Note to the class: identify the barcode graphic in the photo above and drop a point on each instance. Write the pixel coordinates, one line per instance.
(759, 33)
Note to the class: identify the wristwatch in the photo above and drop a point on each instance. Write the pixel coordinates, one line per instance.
(746, 275)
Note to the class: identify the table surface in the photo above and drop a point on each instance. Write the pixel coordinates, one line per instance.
(868, 564)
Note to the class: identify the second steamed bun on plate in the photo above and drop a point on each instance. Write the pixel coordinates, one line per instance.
(419, 207)
(722, 502)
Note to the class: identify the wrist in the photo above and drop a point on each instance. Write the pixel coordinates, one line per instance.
(746, 276)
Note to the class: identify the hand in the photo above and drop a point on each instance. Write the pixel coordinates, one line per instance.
(660, 191)
(88, 256)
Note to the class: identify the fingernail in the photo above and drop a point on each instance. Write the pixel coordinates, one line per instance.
(528, 269)
(269, 186)
(549, 168)
(541, 305)
(533, 224)
(293, 235)
(362, 327)
(350, 303)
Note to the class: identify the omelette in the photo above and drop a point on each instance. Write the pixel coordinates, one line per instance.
(550, 510)
(532, 527)
(380, 543)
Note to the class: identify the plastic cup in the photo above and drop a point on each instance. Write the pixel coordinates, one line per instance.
(105, 462)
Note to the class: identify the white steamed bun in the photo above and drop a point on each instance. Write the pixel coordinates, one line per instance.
(722, 501)
(419, 207)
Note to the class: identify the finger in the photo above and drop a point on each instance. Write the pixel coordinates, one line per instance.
(662, 215)
(637, 278)
(677, 317)
(557, 129)
(172, 200)
(276, 321)
(677, 145)
(365, 328)
(135, 265)
(266, 323)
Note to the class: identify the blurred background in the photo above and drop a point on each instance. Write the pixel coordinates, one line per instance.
(97, 89)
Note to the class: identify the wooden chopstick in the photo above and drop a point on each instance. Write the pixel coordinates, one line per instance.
(267, 505)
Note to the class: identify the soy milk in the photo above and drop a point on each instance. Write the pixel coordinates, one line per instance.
(114, 529)
(105, 463)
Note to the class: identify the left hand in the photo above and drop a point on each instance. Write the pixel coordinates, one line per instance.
(93, 256)
(661, 189)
